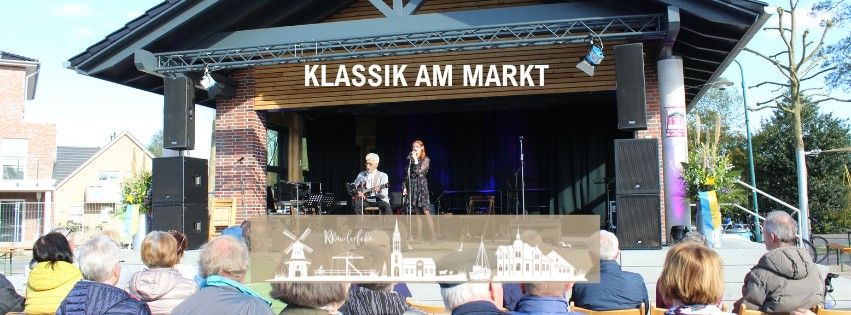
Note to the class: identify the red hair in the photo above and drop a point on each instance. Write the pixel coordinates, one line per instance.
(423, 152)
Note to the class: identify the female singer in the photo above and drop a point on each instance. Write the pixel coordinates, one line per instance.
(417, 186)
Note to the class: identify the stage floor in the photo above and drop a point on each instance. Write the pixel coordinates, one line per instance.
(739, 256)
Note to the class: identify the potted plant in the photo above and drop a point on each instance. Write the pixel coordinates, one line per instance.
(134, 189)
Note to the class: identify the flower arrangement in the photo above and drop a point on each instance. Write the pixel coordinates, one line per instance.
(134, 190)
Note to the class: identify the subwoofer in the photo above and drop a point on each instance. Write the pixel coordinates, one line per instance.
(179, 197)
(631, 95)
(639, 221)
(179, 113)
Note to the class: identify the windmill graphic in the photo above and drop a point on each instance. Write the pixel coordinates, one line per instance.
(297, 264)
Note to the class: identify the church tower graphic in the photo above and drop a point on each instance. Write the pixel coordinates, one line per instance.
(396, 254)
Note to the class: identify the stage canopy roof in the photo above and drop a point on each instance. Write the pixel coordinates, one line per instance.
(187, 35)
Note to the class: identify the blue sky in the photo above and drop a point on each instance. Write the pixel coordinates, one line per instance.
(87, 110)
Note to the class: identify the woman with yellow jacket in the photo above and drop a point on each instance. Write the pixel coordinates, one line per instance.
(53, 276)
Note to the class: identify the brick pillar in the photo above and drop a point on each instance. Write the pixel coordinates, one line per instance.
(241, 133)
(654, 123)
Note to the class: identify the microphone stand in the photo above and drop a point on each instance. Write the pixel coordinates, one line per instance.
(522, 178)
(410, 188)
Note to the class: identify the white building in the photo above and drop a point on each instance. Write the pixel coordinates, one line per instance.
(412, 267)
(522, 261)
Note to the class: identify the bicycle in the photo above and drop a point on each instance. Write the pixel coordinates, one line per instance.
(828, 289)
(816, 246)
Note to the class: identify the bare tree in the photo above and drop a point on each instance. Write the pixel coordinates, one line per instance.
(801, 61)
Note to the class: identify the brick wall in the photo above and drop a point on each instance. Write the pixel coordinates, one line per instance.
(654, 123)
(41, 137)
(241, 132)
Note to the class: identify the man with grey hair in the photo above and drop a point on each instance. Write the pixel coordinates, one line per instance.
(370, 188)
(785, 278)
(544, 298)
(617, 289)
(100, 265)
(472, 298)
(223, 264)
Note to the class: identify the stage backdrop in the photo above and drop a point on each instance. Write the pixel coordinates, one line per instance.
(568, 152)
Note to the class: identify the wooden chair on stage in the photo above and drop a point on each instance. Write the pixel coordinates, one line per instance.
(474, 205)
(630, 311)
(820, 310)
(222, 215)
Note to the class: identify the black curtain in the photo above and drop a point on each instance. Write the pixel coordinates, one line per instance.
(332, 154)
(568, 152)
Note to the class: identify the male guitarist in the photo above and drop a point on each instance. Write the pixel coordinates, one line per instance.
(371, 188)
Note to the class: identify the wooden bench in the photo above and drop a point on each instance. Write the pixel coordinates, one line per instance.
(840, 251)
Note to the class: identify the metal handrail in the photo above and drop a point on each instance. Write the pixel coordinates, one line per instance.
(797, 211)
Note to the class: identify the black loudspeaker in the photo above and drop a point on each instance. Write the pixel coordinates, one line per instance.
(639, 221)
(629, 74)
(179, 113)
(636, 166)
(179, 197)
(190, 218)
(179, 179)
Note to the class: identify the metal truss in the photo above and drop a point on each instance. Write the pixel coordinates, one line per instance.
(474, 38)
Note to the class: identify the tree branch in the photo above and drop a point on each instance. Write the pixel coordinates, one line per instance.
(778, 54)
(818, 73)
(783, 69)
(775, 99)
(830, 99)
(809, 89)
(818, 47)
(780, 24)
(769, 82)
(813, 64)
(777, 29)
(759, 108)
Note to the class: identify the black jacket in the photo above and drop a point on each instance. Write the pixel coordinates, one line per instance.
(93, 298)
(10, 300)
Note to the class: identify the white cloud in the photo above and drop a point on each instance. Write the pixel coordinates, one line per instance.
(72, 10)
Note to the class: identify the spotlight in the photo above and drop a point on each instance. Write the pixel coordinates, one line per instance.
(592, 59)
(217, 85)
(207, 81)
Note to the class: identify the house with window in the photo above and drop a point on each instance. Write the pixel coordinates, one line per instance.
(88, 191)
(27, 154)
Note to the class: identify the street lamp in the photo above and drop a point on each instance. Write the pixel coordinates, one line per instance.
(722, 85)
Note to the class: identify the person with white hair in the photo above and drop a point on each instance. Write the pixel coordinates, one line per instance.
(617, 289)
(100, 264)
(472, 298)
(785, 278)
(223, 264)
(370, 188)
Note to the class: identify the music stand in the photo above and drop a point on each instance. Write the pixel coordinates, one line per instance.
(312, 202)
(326, 202)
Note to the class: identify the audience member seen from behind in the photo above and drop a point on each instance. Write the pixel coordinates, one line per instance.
(10, 300)
(690, 237)
(374, 299)
(472, 298)
(161, 286)
(188, 271)
(53, 275)
(100, 264)
(544, 298)
(304, 298)
(692, 280)
(617, 289)
(785, 278)
(223, 263)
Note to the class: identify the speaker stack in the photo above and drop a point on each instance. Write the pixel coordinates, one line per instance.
(179, 184)
(637, 193)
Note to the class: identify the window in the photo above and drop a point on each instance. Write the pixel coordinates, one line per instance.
(112, 176)
(13, 158)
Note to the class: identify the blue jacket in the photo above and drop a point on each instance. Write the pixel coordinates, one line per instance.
(540, 305)
(93, 298)
(617, 289)
(477, 308)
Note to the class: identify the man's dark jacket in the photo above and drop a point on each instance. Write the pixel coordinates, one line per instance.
(617, 290)
(94, 298)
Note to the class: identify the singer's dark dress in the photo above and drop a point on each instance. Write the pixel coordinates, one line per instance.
(419, 185)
